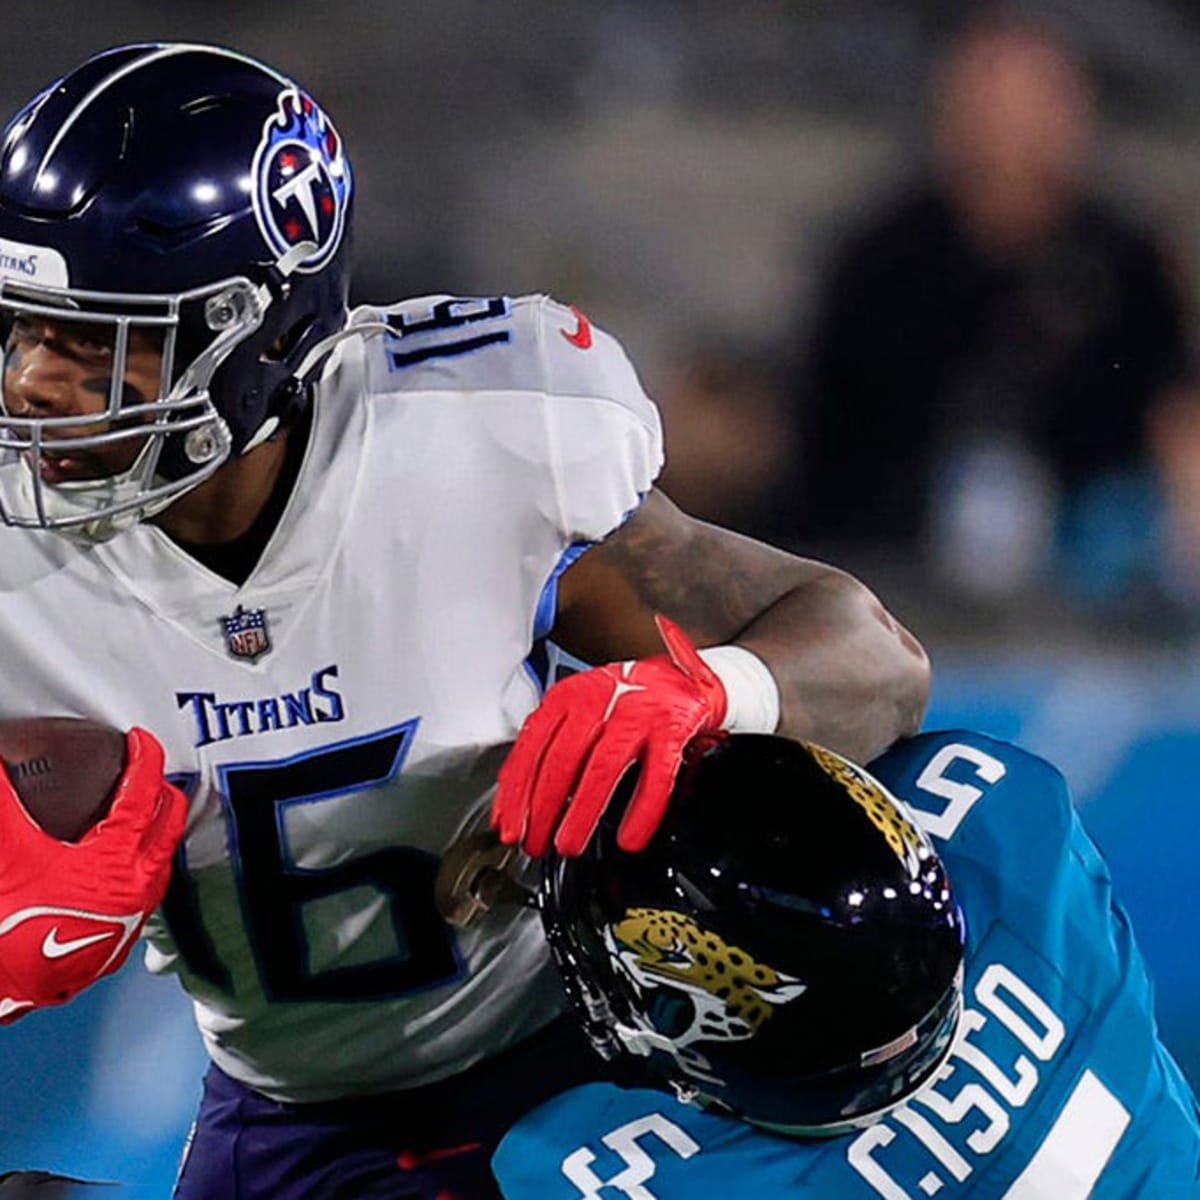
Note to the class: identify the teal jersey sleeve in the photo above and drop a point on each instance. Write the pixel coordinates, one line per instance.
(1058, 1087)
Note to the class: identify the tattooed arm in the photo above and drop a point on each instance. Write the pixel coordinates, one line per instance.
(850, 676)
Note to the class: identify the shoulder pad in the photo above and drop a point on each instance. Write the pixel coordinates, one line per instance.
(942, 776)
(497, 343)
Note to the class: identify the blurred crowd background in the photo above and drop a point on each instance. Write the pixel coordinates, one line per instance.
(915, 283)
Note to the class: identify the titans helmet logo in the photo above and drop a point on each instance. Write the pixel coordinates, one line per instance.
(302, 182)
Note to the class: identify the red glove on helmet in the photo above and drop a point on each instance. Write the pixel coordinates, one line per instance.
(589, 730)
(70, 912)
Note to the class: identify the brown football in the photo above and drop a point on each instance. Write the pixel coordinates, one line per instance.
(65, 770)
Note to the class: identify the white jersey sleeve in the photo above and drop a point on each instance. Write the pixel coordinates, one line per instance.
(561, 399)
(606, 445)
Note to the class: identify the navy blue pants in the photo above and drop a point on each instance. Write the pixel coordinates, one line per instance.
(429, 1143)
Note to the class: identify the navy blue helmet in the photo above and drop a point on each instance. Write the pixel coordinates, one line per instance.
(787, 949)
(195, 194)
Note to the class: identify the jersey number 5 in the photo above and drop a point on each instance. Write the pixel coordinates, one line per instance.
(959, 795)
(639, 1163)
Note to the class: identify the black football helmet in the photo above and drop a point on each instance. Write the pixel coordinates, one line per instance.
(787, 949)
(193, 192)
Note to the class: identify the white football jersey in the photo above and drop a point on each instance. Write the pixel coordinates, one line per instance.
(338, 719)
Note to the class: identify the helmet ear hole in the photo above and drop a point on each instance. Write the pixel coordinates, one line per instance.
(280, 350)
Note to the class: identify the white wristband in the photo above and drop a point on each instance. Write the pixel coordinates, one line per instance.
(751, 693)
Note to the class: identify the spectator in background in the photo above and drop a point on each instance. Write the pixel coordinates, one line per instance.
(990, 344)
(1174, 436)
(1133, 537)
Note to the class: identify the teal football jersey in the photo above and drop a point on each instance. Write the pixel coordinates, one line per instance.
(1058, 1087)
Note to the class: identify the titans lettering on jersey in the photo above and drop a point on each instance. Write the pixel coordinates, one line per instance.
(219, 719)
(1057, 1088)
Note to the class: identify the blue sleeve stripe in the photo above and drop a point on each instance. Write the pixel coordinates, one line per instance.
(537, 666)
(547, 605)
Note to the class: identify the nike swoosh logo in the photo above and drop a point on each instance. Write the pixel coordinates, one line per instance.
(53, 948)
(582, 337)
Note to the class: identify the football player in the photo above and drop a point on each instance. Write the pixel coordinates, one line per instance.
(320, 554)
(907, 983)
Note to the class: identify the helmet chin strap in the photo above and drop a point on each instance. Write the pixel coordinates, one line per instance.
(310, 362)
(321, 350)
(261, 434)
(286, 265)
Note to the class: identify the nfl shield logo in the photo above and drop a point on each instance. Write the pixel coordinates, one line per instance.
(246, 633)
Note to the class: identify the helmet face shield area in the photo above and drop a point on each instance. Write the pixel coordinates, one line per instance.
(787, 949)
(182, 197)
(97, 426)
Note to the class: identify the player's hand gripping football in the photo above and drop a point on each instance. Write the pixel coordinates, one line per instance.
(593, 727)
(70, 912)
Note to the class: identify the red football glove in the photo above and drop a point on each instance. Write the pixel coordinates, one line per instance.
(70, 912)
(589, 730)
